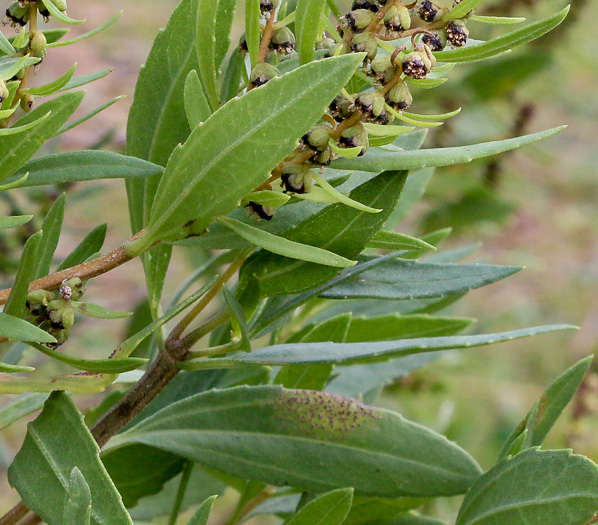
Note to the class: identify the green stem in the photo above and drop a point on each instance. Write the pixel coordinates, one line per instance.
(181, 492)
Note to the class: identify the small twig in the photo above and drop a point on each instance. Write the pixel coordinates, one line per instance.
(14, 515)
(266, 39)
(180, 495)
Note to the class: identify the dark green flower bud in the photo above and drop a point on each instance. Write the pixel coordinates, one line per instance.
(27, 102)
(38, 300)
(38, 44)
(318, 137)
(17, 14)
(326, 43)
(262, 73)
(417, 64)
(399, 97)
(243, 43)
(365, 42)
(60, 314)
(457, 33)
(60, 335)
(355, 137)
(268, 6)
(372, 105)
(263, 212)
(371, 5)
(297, 179)
(360, 19)
(283, 40)
(382, 68)
(430, 11)
(72, 288)
(340, 108)
(435, 41)
(3, 91)
(397, 18)
(324, 158)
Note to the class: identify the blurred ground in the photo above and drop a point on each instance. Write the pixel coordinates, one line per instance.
(553, 230)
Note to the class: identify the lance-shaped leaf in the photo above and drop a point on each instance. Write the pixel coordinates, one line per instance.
(497, 20)
(196, 105)
(52, 87)
(385, 240)
(81, 80)
(14, 221)
(51, 227)
(16, 329)
(9, 67)
(77, 509)
(19, 407)
(307, 27)
(97, 311)
(61, 15)
(290, 437)
(379, 160)
(503, 43)
(89, 34)
(402, 279)
(252, 29)
(548, 487)
(378, 510)
(74, 383)
(328, 509)
(90, 245)
(78, 166)
(369, 352)
(461, 9)
(202, 514)
(5, 46)
(224, 22)
(227, 156)
(42, 469)
(549, 407)
(14, 369)
(205, 44)
(18, 149)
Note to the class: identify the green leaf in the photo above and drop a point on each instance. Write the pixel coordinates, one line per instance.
(14, 369)
(61, 15)
(314, 377)
(74, 383)
(18, 149)
(224, 147)
(232, 82)
(202, 514)
(41, 470)
(503, 43)
(340, 197)
(205, 45)
(98, 366)
(9, 67)
(5, 46)
(550, 405)
(370, 352)
(77, 509)
(461, 9)
(99, 312)
(196, 105)
(51, 227)
(385, 240)
(336, 228)
(497, 20)
(259, 432)
(267, 198)
(52, 87)
(78, 166)
(284, 247)
(14, 130)
(402, 279)
(15, 304)
(240, 319)
(379, 160)
(14, 221)
(90, 245)
(87, 116)
(224, 23)
(307, 27)
(89, 34)
(328, 509)
(82, 80)
(19, 407)
(551, 487)
(252, 29)
(377, 510)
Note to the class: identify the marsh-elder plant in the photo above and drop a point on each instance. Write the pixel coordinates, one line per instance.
(286, 162)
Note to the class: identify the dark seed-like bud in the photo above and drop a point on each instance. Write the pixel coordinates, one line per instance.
(397, 19)
(372, 105)
(435, 41)
(263, 212)
(268, 6)
(399, 97)
(457, 33)
(38, 300)
(243, 43)
(340, 108)
(365, 42)
(60, 335)
(60, 314)
(360, 19)
(3, 91)
(354, 137)
(318, 137)
(17, 14)
(414, 65)
(263, 73)
(297, 179)
(371, 5)
(430, 11)
(324, 158)
(283, 40)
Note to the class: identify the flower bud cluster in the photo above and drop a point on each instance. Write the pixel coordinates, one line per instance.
(53, 312)
(370, 27)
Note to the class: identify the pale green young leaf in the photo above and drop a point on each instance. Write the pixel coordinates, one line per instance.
(497, 20)
(14, 369)
(196, 105)
(365, 352)
(503, 43)
(77, 509)
(380, 160)
(16, 150)
(307, 27)
(232, 83)
(378, 130)
(98, 312)
(76, 166)
(328, 509)
(9, 67)
(60, 15)
(252, 29)
(551, 487)
(53, 87)
(22, 39)
(19, 407)
(205, 45)
(426, 83)
(42, 468)
(412, 121)
(347, 153)
(82, 80)
(461, 9)
(15, 304)
(202, 514)
(278, 426)
(224, 23)
(223, 150)
(385, 240)
(14, 130)
(52, 226)
(378, 510)
(14, 221)
(550, 405)
(285, 247)
(240, 320)
(7, 112)
(91, 244)
(87, 116)
(5, 45)
(74, 383)
(266, 198)
(16, 183)
(89, 34)
(440, 116)
(341, 197)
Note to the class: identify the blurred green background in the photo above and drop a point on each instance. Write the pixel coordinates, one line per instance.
(535, 208)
